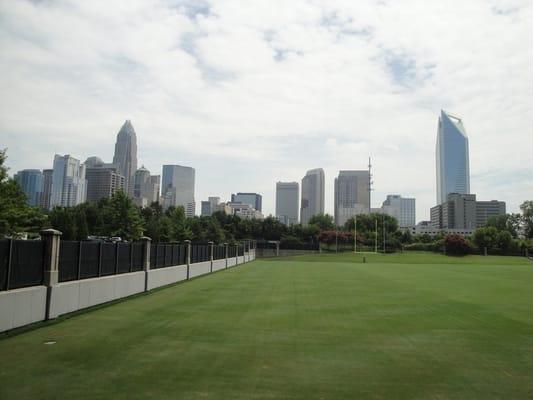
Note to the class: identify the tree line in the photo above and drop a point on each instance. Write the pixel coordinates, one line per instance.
(118, 216)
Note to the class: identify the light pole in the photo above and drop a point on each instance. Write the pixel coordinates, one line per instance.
(355, 234)
(376, 237)
(384, 246)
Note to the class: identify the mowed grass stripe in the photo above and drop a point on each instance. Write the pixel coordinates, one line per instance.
(323, 329)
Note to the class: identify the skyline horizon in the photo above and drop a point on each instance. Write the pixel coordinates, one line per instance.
(198, 200)
(251, 93)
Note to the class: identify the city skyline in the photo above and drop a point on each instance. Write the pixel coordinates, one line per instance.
(284, 102)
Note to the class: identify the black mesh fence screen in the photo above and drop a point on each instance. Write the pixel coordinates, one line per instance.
(124, 257)
(26, 264)
(241, 249)
(199, 253)
(168, 255)
(219, 252)
(68, 260)
(137, 256)
(232, 251)
(4, 259)
(108, 259)
(179, 256)
(89, 259)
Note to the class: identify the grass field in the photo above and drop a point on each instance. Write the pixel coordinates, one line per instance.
(415, 326)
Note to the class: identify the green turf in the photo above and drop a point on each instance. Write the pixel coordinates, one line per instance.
(398, 327)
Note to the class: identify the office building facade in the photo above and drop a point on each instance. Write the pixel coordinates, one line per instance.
(146, 187)
(178, 188)
(401, 208)
(47, 188)
(452, 156)
(103, 180)
(31, 181)
(69, 186)
(287, 202)
(209, 206)
(125, 157)
(254, 200)
(313, 192)
(352, 195)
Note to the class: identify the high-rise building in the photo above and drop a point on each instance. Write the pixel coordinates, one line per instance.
(458, 212)
(47, 188)
(242, 210)
(287, 202)
(103, 180)
(125, 157)
(453, 171)
(313, 192)
(69, 186)
(487, 209)
(31, 181)
(178, 188)
(146, 187)
(352, 195)
(401, 208)
(210, 206)
(252, 199)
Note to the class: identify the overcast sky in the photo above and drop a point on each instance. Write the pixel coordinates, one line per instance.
(252, 92)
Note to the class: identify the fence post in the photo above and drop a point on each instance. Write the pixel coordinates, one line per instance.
(277, 249)
(131, 256)
(79, 260)
(237, 254)
(147, 247)
(188, 256)
(9, 262)
(211, 251)
(226, 254)
(52, 241)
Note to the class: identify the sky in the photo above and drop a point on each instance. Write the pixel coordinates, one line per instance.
(254, 92)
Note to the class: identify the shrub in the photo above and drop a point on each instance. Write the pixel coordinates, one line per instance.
(457, 245)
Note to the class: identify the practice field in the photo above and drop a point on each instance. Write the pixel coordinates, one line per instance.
(411, 326)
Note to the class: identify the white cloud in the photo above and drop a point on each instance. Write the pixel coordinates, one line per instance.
(260, 91)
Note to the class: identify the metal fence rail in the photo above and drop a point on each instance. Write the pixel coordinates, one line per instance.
(22, 261)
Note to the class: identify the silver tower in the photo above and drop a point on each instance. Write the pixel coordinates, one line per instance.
(125, 157)
(453, 171)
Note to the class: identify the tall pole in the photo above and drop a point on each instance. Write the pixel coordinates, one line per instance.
(384, 248)
(355, 234)
(376, 237)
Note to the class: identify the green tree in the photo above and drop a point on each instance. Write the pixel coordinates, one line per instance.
(506, 222)
(527, 218)
(122, 217)
(62, 219)
(323, 221)
(16, 216)
(486, 237)
(504, 240)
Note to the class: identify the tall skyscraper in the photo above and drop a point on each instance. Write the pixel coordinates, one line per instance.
(401, 208)
(69, 186)
(146, 187)
(178, 188)
(31, 181)
(103, 180)
(47, 188)
(351, 195)
(125, 157)
(254, 200)
(287, 202)
(453, 170)
(313, 192)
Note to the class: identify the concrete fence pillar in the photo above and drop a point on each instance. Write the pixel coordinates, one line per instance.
(147, 247)
(188, 256)
(237, 254)
(52, 241)
(277, 249)
(226, 253)
(211, 251)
